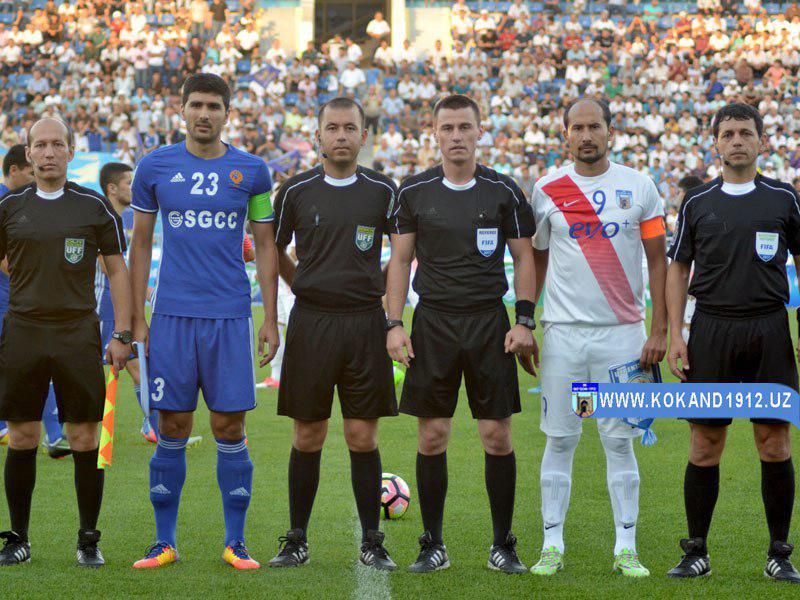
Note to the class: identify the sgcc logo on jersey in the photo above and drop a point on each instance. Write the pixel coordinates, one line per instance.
(365, 237)
(204, 219)
(73, 250)
(624, 198)
(766, 245)
(486, 240)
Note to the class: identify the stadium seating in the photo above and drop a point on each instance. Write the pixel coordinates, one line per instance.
(644, 83)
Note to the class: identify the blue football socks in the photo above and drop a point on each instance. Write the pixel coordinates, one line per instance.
(167, 475)
(235, 479)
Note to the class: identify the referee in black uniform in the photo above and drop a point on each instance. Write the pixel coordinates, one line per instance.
(51, 231)
(458, 218)
(336, 336)
(737, 229)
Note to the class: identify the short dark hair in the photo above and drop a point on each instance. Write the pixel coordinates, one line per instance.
(740, 112)
(206, 83)
(111, 173)
(601, 103)
(344, 103)
(70, 133)
(689, 182)
(456, 102)
(15, 157)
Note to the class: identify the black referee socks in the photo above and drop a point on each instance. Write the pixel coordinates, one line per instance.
(777, 490)
(303, 484)
(700, 492)
(501, 483)
(89, 487)
(365, 473)
(20, 479)
(432, 490)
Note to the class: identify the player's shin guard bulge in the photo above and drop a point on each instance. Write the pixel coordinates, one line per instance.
(235, 479)
(555, 489)
(20, 480)
(89, 482)
(555, 483)
(622, 475)
(167, 476)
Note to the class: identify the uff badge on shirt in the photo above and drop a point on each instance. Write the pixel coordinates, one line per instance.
(487, 240)
(365, 237)
(73, 250)
(766, 245)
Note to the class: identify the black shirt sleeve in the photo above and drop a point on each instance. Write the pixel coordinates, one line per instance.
(109, 230)
(283, 217)
(519, 221)
(793, 228)
(391, 206)
(3, 236)
(682, 248)
(403, 220)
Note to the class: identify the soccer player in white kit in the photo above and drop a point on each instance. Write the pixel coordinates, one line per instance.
(285, 304)
(593, 219)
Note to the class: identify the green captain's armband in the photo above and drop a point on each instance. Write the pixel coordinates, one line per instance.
(259, 207)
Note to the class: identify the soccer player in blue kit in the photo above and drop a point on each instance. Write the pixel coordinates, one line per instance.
(201, 330)
(115, 182)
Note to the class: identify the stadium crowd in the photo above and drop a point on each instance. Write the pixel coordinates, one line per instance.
(114, 70)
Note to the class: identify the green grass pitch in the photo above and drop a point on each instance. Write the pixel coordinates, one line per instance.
(738, 539)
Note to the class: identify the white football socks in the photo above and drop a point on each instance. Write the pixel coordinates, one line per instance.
(556, 480)
(622, 475)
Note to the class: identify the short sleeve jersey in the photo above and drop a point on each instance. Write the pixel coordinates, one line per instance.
(204, 205)
(593, 228)
(461, 233)
(739, 245)
(338, 227)
(52, 245)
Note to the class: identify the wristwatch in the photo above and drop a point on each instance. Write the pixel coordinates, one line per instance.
(392, 323)
(529, 322)
(126, 337)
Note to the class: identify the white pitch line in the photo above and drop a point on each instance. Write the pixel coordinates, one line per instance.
(371, 584)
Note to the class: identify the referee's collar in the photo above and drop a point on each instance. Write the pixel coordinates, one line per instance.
(339, 182)
(756, 180)
(50, 195)
(460, 187)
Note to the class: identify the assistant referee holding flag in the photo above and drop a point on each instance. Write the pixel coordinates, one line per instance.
(738, 230)
(52, 231)
(458, 217)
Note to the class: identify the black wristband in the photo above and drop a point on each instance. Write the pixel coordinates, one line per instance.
(525, 308)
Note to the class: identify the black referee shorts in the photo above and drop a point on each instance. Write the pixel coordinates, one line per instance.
(741, 350)
(345, 350)
(447, 345)
(32, 353)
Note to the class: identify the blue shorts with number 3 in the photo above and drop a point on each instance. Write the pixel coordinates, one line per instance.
(214, 356)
